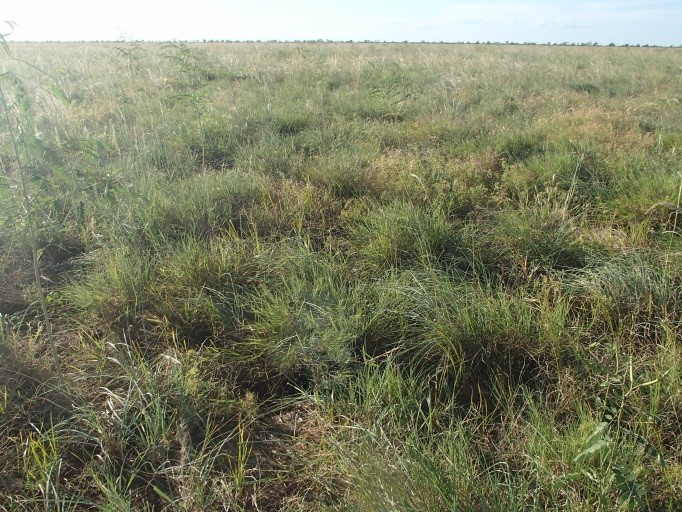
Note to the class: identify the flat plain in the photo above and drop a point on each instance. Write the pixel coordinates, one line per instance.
(342, 277)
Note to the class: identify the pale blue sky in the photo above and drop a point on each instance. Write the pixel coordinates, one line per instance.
(605, 21)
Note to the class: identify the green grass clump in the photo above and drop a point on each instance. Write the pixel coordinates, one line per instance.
(346, 173)
(203, 206)
(305, 318)
(400, 235)
(629, 293)
(522, 243)
(191, 288)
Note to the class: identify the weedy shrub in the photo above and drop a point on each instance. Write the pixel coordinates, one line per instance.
(191, 64)
(388, 94)
(395, 87)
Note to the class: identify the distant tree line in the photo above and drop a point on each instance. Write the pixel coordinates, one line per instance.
(375, 41)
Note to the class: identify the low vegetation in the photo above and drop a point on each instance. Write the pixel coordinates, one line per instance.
(342, 277)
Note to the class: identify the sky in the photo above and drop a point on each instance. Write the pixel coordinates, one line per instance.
(654, 22)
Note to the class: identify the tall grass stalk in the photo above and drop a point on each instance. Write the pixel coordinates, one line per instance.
(14, 130)
(675, 219)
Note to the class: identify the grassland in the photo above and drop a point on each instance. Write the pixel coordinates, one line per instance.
(340, 277)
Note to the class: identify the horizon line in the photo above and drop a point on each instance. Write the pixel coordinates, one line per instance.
(346, 41)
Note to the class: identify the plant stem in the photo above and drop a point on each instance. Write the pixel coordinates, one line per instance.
(33, 231)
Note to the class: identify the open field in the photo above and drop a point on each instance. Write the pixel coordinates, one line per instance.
(341, 277)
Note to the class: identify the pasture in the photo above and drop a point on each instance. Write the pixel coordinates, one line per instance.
(342, 277)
